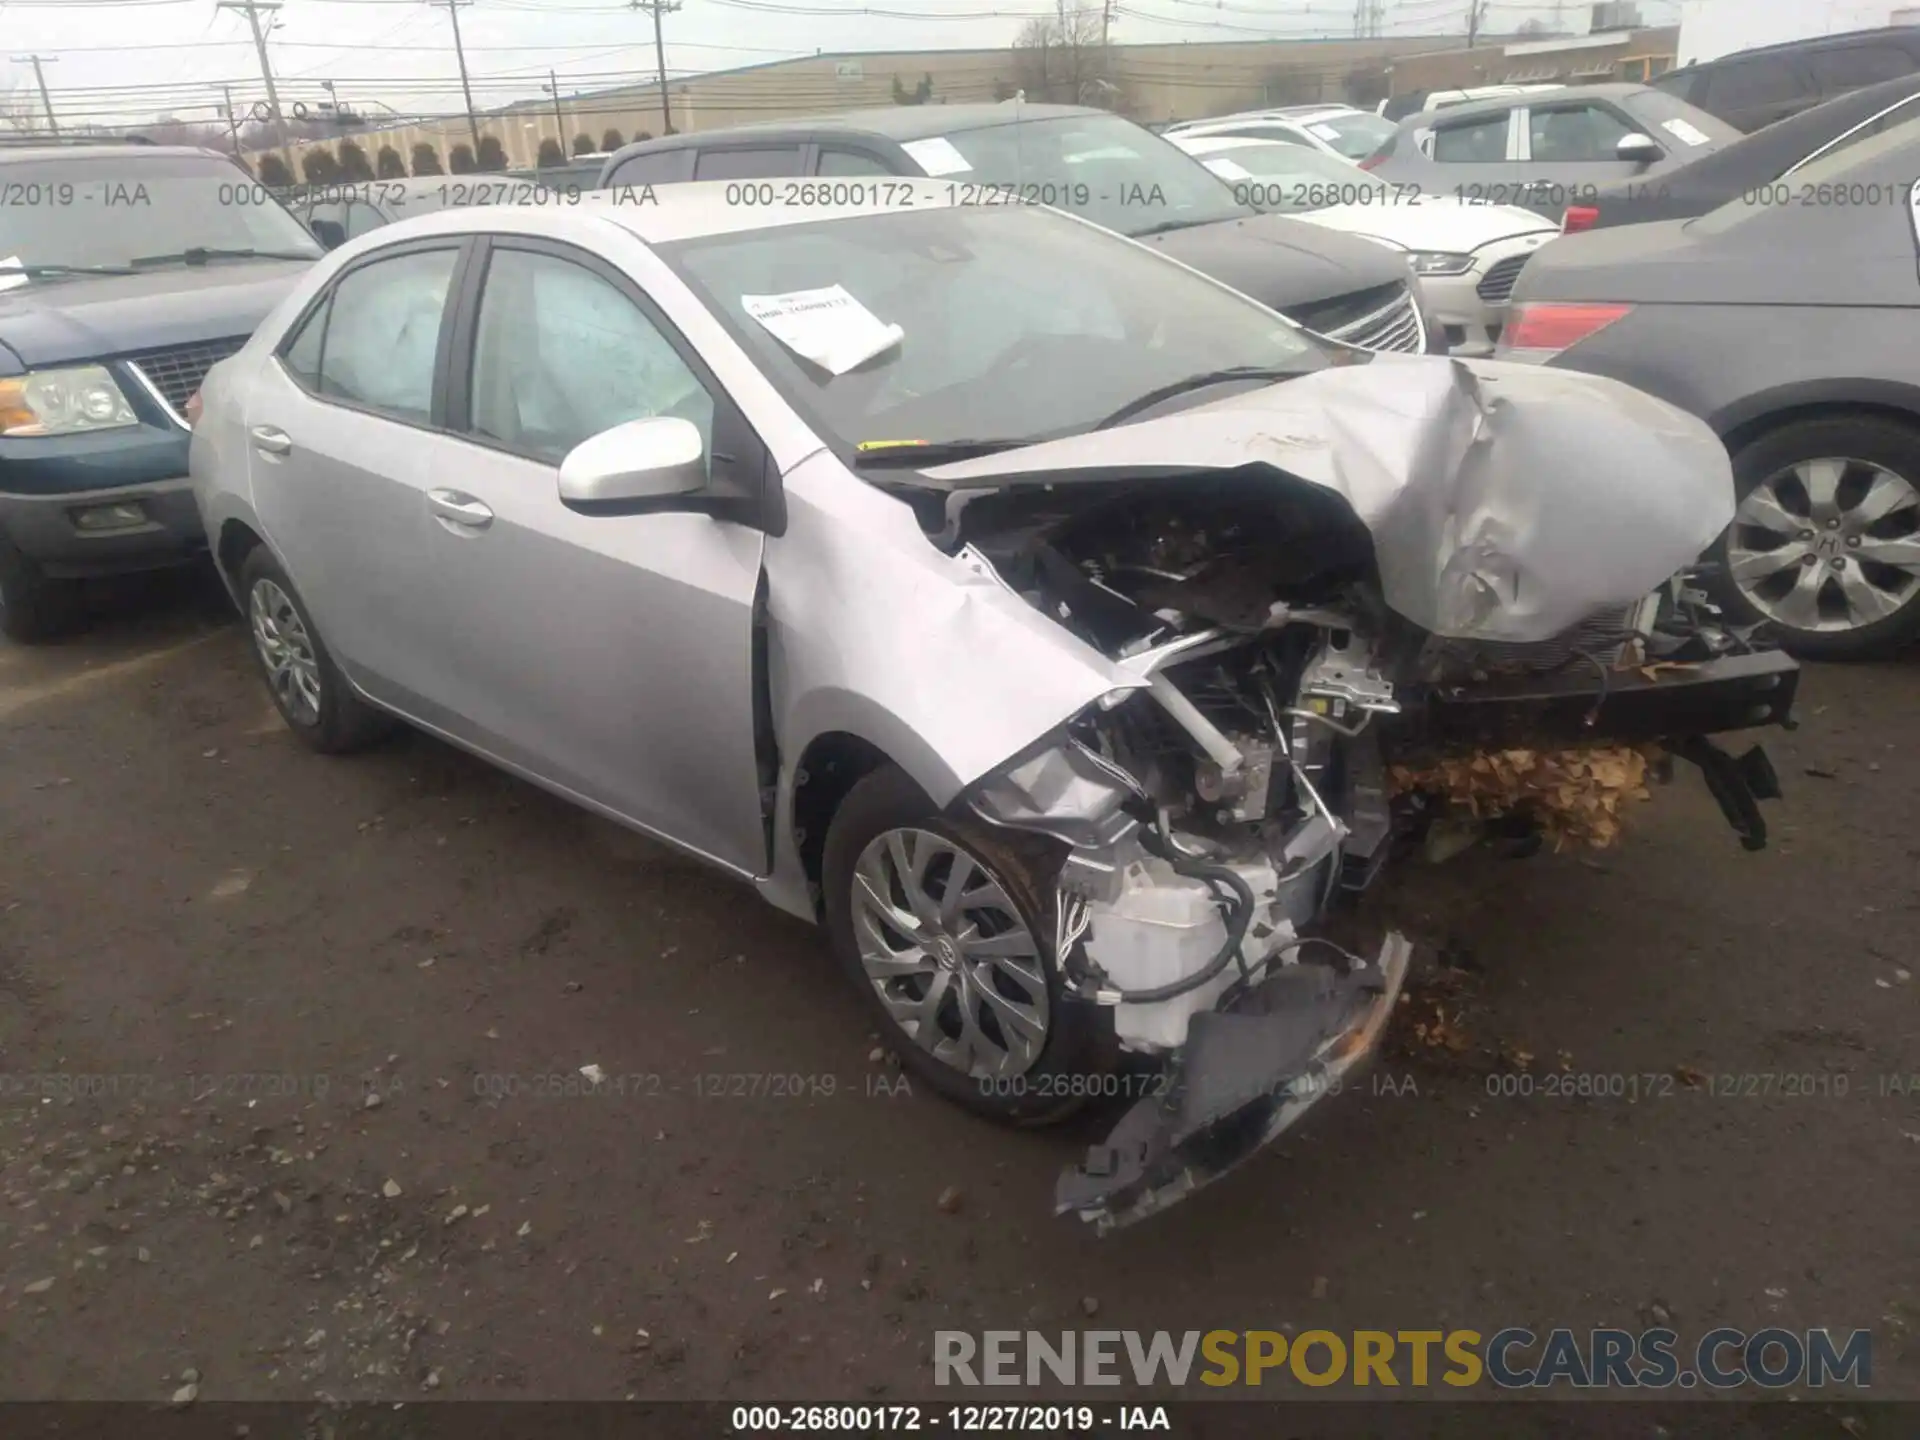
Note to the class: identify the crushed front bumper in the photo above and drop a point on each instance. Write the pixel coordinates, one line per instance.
(1245, 1075)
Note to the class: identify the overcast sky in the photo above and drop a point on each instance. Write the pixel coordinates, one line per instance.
(141, 58)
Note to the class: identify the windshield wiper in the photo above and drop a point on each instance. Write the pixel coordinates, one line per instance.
(37, 272)
(1167, 225)
(913, 454)
(1194, 382)
(201, 254)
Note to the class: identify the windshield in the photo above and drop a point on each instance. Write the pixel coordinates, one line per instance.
(1015, 323)
(1101, 167)
(1355, 136)
(87, 211)
(1291, 179)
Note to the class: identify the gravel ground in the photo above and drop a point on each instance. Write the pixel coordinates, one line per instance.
(320, 1155)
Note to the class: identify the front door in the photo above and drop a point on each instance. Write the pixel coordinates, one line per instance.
(608, 655)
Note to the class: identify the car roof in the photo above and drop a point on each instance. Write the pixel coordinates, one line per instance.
(891, 122)
(1613, 90)
(1789, 47)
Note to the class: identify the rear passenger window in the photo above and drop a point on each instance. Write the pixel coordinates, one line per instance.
(301, 354)
(850, 162)
(661, 167)
(384, 332)
(772, 162)
(1769, 80)
(1472, 142)
(1852, 67)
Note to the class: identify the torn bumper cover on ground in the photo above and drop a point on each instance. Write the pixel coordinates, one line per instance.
(1246, 1075)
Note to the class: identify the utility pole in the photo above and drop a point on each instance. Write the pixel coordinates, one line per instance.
(53, 125)
(659, 9)
(253, 9)
(1476, 12)
(552, 87)
(460, 54)
(233, 120)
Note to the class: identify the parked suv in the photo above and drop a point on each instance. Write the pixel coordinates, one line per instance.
(1090, 163)
(1754, 88)
(1549, 150)
(126, 271)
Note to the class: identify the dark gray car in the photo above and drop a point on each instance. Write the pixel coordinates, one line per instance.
(1786, 321)
(1548, 150)
(1084, 161)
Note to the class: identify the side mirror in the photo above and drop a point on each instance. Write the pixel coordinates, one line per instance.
(1640, 150)
(651, 459)
(330, 233)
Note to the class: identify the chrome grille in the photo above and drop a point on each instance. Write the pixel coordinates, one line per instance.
(177, 373)
(1394, 326)
(1496, 286)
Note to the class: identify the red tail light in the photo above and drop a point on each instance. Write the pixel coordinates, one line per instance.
(1541, 331)
(193, 409)
(1578, 218)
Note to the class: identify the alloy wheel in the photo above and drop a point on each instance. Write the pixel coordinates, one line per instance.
(1828, 545)
(949, 955)
(286, 649)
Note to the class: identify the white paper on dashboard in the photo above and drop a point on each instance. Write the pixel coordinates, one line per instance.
(936, 156)
(1325, 132)
(827, 326)
(1685, 131)
(12, 277)
(1228, 170)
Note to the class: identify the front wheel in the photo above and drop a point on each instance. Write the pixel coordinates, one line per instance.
(1825, 542)
(940, 924)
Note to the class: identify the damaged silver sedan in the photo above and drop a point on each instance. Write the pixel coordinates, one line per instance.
(1068, 634)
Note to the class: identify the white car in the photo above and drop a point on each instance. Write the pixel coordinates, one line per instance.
(1467, 254)
(1337, 130)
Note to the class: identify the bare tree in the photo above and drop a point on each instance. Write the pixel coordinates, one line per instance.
(1063, 58)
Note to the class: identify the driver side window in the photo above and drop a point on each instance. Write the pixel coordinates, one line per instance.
(561, 355)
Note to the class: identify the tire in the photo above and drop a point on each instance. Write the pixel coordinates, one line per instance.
(32, 607)
(1767, 483)
(331, 718)
(1075, 1056)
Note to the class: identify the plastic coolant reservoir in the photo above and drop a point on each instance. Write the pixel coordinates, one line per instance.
(1164, 927)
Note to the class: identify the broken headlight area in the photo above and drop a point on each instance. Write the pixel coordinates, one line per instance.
(1279, 740)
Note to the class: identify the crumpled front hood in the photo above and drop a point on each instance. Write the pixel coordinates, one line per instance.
(1506, 502)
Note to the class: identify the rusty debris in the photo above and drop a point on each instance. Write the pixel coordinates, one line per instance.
(1577, 796)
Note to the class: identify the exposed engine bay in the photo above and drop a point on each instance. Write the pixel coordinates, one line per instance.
(1213, 816)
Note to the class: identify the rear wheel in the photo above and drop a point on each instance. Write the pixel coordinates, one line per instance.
(307, 687)
(1825, 542)
(940, 924)
(32, 607)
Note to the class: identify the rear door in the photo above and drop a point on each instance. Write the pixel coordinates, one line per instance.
(607, 655)
(1477, 156)
(1841, 69)
(339, 423)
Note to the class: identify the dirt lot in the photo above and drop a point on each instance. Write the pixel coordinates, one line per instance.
(319, 1155)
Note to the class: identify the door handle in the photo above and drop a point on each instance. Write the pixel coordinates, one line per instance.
(460, 509)
(271, 440)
